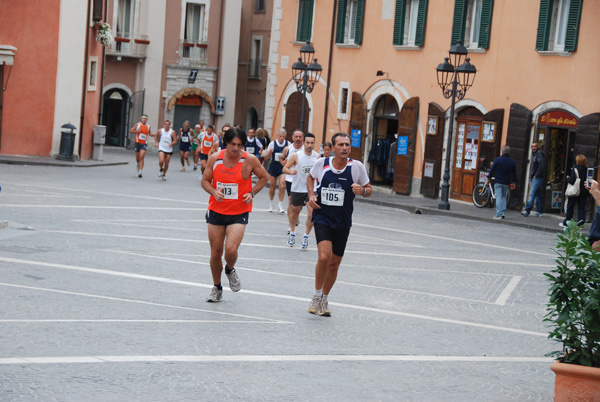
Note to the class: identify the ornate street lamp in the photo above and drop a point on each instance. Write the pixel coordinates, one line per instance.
(455, 77)
(306, 72)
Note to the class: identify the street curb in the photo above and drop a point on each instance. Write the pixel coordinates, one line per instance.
(424, 210)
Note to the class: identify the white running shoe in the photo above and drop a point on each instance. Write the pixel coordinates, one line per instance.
(281, 210)
(324, 309)
(292, 240)
(160, 174)
(140, 174)
(234, 281)
(270, 208)
(215, 295)
(315, 305)
(305, 242)
(164, 178)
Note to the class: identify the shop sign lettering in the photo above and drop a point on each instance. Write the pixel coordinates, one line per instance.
(558, 118)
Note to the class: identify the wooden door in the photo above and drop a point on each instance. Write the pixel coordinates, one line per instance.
(358, 121)
(586, 140)
(466, 157)
(517, 137)
(407, 129)
(434, 143)
(293, 112)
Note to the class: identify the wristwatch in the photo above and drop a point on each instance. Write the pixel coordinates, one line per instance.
(252, 194)
(364, 191)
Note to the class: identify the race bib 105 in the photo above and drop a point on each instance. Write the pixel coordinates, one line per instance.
(333, 197)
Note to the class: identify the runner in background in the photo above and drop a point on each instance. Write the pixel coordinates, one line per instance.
(142, 131)
(185, 137)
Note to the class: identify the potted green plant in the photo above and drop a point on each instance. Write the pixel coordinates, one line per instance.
(573, 311)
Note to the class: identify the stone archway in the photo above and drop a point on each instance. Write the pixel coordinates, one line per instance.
(191, 91)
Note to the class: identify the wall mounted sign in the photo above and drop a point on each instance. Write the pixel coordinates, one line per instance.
(402, 145)
(558, 118)
(355, 136)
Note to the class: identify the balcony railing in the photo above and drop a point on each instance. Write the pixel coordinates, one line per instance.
(127, 46)
(193, 52)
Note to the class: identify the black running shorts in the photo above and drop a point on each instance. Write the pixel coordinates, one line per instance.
(215, 218)
(337, 237)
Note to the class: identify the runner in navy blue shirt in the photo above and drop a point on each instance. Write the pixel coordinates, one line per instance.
(339, 180)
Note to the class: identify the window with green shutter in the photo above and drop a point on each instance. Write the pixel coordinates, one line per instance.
(350, 22)
(409, 22)
(305, 14)
(558, 25)
(485, 27)
(573, 22)
(459, 21)
(472, 23)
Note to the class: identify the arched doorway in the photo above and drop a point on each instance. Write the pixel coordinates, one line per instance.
(468, 138)
(251, 118)
(293, 112)
(114, 116)
(385, 130)
(188, 107)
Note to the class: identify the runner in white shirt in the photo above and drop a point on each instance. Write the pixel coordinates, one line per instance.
(166, 139)
(296, 146)
(299, 166)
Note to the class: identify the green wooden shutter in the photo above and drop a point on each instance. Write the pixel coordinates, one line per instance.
(399, 17)
(341, 22)
(573, 25)
(305, 12)
(544, 23)
(485, 28)
(360, 22)
(421, 23)
(459, 21)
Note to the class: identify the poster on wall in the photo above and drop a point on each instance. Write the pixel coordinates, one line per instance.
(355, 136)
(557, 199)
(428, 172)
(403, 145)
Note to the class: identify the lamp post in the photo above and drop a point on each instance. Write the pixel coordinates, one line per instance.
(306, 73)
(455, 78)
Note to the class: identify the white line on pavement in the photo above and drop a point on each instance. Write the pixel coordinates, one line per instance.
(38, 206)
(244, 244)
(275, 295)
(501, 300)
(120, 299)
(309, 278)
(145, 321)
(511, 249)
(383, 267)
(28, 185)
(271, 359)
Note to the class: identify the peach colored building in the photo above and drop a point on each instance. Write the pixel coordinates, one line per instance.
(537, 80)
(50, 65)
(178, 60)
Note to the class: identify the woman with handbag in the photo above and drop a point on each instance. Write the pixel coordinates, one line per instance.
(576, 180)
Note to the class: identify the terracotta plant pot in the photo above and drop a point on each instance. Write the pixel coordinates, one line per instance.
(576, 383)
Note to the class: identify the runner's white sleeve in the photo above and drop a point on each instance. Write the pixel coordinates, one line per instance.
(359, 173)
(317, 170)
(271, 146)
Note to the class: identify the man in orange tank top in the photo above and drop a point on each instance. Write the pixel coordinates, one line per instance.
(228, 180)
(142, 131)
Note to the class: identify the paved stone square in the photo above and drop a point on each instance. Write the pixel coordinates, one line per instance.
(103, 278)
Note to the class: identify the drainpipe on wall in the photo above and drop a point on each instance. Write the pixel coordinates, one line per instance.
(329, 63)
(102, 75)
(85, 71)
(217, 86)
